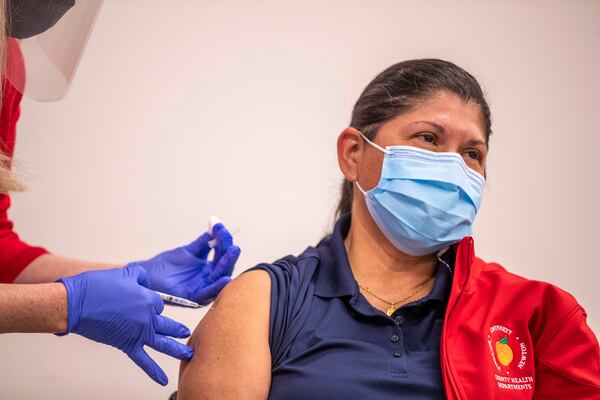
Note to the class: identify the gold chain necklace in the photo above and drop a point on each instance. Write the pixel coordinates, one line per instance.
(392, 306)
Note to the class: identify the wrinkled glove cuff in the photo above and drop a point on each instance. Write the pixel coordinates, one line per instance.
(73, 311)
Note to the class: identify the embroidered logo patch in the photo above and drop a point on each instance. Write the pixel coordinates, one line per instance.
(510, 357)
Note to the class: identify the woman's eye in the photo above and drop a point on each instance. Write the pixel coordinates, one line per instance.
(427, 137)
(474, 155)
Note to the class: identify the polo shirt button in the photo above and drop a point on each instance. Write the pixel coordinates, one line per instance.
(398, 319)
(397, 355)
(395, 338)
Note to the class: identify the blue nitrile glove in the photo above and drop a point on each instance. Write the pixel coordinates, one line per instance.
(186, 272)
(116, 307)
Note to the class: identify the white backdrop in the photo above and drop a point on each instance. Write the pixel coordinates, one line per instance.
(184, 109)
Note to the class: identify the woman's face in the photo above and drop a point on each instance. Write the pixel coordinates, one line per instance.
(443, 123)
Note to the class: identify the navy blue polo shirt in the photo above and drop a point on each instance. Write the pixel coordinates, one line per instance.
(328, 342)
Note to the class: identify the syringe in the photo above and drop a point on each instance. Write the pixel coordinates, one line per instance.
(178, 300)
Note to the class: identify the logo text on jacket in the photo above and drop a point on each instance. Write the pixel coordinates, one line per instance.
(510, 356)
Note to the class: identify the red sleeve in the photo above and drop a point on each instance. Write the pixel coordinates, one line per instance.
(15, 254)
(567, 355)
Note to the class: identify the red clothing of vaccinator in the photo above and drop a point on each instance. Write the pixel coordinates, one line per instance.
(15, 254)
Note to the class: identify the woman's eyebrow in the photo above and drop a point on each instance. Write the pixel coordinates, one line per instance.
(435, 125)
(477, 142)
(441, 130)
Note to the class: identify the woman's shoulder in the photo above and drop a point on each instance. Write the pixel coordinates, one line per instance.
(493, 273)
(543, 305)
(290, 273)
(292, 286)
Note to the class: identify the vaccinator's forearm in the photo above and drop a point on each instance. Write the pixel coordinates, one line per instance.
(33, 308)
(49, 267)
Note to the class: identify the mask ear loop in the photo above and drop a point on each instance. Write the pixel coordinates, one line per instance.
(360, 188)
(378, 147)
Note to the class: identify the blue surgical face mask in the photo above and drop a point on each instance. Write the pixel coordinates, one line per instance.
(425, 200)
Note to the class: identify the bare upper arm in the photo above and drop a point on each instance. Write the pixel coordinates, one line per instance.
(232, 359)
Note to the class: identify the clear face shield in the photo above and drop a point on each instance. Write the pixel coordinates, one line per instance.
(46, 41)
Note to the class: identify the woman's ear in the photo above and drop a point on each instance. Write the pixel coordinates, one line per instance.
(349, 146)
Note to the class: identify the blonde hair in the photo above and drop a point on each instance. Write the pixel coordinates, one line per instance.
(7, 181)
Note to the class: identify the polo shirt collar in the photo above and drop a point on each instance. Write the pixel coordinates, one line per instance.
(443, 277)
(335, 278)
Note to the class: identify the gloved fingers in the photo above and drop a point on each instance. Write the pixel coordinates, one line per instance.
(139, 273)
(216, 228)
(224, 241)
(225, 264)
(200, 247)
(157, 301)
(150, 367)
(209, 293)
(169, 327)
(171, 347)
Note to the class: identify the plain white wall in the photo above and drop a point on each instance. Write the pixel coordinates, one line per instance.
(184, 109)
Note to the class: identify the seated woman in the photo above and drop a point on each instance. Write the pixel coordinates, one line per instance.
(394, 304)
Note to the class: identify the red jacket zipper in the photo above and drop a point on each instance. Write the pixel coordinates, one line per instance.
(449, 379)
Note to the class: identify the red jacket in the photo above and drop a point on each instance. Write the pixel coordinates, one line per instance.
(15, 254)
(506, 337)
